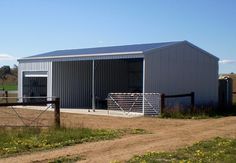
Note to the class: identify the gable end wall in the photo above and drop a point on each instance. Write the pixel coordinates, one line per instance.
(181, 69)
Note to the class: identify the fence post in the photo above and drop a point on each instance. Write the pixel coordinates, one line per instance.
(6, 94)
(162, 103)
(57, 112)
(192, 101)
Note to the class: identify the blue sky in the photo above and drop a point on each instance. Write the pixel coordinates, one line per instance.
(29, 27)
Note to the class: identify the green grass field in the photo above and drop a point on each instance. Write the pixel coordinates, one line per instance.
(215, 150)
(9, 87)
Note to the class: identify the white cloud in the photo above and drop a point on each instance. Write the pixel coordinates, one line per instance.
(227, 61)
(6, 57)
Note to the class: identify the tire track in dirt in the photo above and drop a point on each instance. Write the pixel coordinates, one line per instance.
(166, 135)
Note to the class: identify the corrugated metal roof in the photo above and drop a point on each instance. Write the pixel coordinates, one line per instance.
(103, 50)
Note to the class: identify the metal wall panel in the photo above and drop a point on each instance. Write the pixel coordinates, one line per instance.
(181, 69)
(35, 66)
(117, 76)
(72, 81)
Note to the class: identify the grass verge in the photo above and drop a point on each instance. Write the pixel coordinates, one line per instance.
(215, 150)
(182, 115)
(18, 140)
(62, 159)
(66, 159)
(197, 113)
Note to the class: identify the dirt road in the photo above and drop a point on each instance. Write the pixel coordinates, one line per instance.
(166, 135)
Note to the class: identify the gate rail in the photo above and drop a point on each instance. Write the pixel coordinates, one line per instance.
(54, 102)
(164, 97)
(134, 103)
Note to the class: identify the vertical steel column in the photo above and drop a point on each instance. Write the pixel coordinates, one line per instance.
(93, 89)
(143, 82)
(21, 84)
(50, 80)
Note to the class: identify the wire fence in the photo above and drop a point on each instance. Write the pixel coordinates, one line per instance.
(41, 112)
(4, 96)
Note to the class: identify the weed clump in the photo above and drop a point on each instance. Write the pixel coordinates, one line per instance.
(26, 139)
(215, 150)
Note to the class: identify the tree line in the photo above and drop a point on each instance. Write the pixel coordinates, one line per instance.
(8, 72)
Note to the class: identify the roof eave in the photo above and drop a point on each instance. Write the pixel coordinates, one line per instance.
(82, 56)
(202, 50)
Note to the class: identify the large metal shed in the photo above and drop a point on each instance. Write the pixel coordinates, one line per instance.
(79, 76)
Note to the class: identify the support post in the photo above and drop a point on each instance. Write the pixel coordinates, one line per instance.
(143, 107)
(192, 101)
(6, 94)
(93, 87)
(162, 103)
(57, 112)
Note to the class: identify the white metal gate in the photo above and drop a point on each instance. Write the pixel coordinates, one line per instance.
(133, 102)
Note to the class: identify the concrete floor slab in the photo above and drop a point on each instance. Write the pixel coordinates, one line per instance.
(103, 112)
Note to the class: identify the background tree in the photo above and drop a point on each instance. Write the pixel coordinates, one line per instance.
(14, 70)
(4, 71)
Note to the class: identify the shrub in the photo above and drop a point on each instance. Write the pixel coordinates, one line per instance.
(188, 113)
